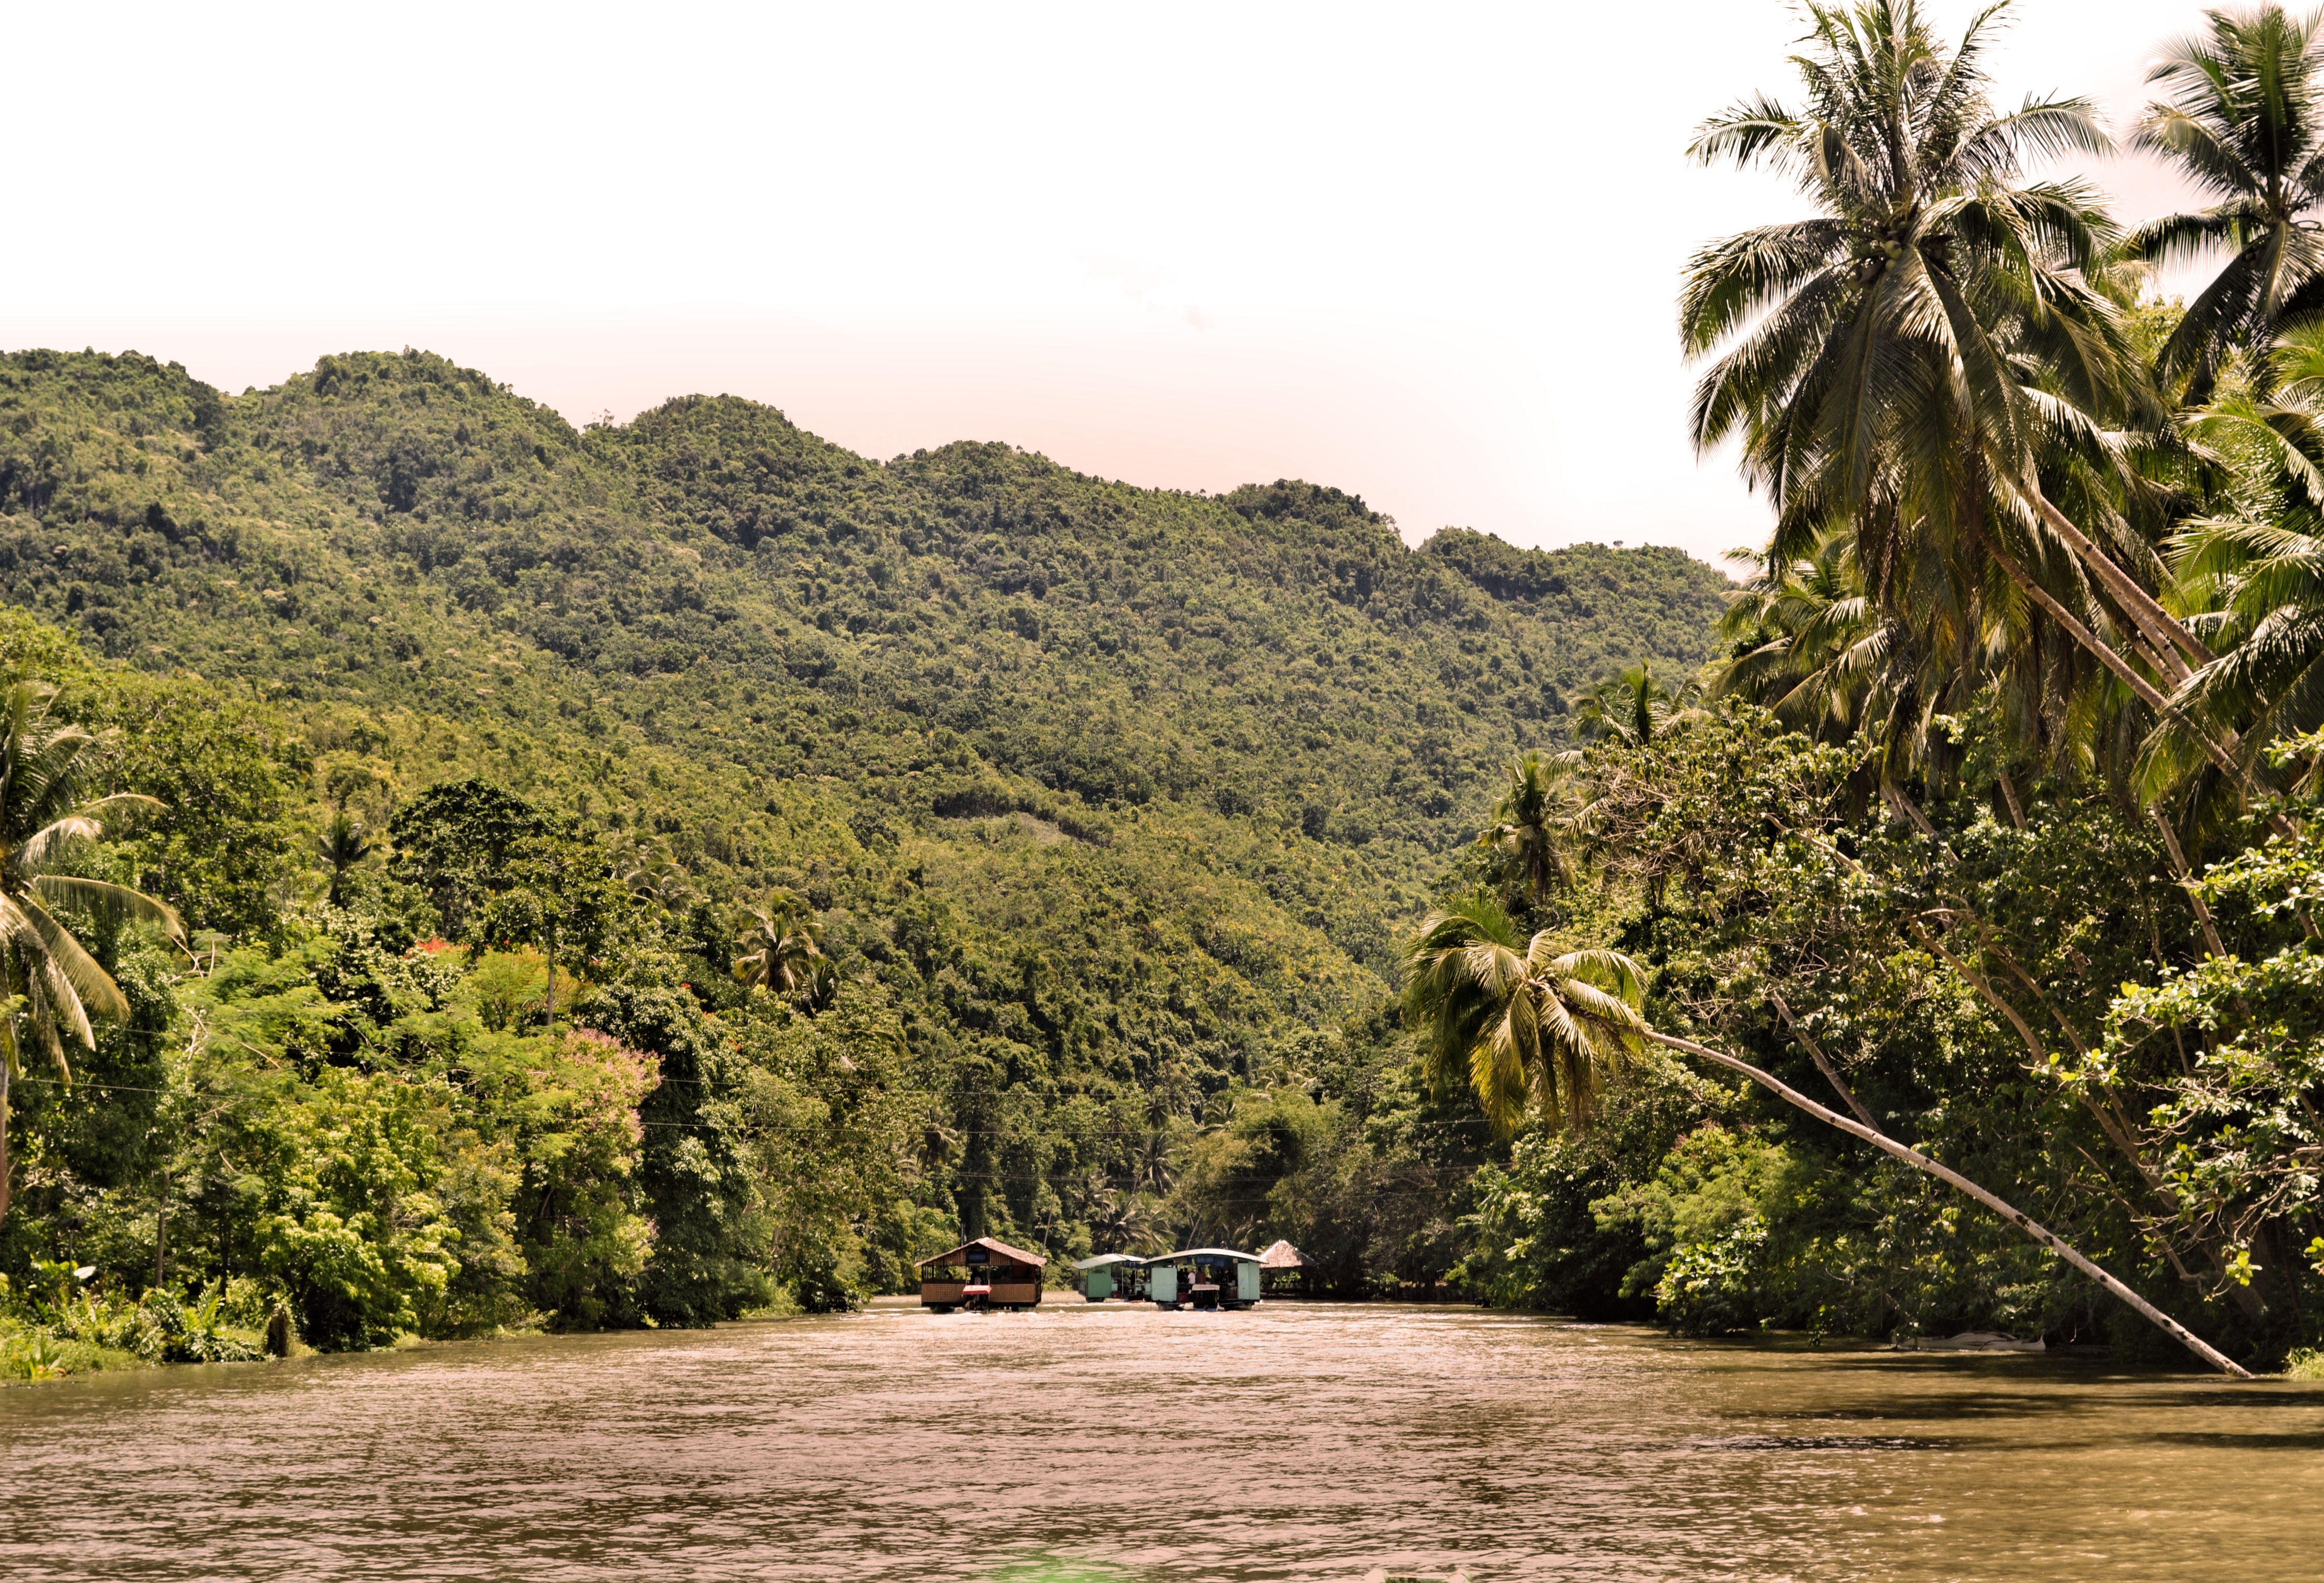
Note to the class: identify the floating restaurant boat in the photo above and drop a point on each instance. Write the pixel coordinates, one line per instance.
(981, 1275)
(1112, 1274)
(1204, 1277)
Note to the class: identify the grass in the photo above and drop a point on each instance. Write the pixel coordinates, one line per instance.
(2305, 1364)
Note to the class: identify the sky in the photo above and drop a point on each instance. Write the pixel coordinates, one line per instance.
(1428, 254)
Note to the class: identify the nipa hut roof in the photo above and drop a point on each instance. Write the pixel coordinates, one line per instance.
(1282, 1255)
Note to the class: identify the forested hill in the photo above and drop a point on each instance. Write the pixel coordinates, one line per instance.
(1270, 674)
(1110, 803)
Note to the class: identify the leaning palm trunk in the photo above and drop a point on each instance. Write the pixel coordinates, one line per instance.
(2171, 638)
(2221, 754)
(1920, 1161)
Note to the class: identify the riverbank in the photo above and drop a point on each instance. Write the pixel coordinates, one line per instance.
(34, 1355)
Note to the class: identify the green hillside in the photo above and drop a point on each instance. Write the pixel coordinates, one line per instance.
(1106, 797)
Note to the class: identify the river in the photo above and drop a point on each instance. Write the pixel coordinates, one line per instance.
(1297, 1441)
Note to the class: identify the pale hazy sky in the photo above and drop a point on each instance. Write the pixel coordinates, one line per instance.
(1426, 254)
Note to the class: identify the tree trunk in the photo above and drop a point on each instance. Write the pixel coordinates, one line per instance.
(7, 1072)
(2146, 612)
(2186, 883)
(2009, 795)
(1815, 1054)
(1920, 1161)
(2108, 656)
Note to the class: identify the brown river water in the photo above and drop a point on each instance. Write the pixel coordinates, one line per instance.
(1121, 1443)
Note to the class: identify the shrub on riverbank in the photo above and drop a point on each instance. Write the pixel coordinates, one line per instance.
(36, 1354)
(52, 1329)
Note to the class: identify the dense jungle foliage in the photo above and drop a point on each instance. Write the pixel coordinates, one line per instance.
(672, 871)
(1993, 833)
(1093, 812)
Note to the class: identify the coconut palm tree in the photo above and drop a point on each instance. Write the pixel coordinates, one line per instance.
(1946, 1173)
(1806, 641)
(48, 822)
(343, 845)
(1538, 822)
(1937, 350)
(1524, 1024)
(654, 876)
(2260, 573)
(2244, 120)
(1154, 1161)
(1632, 707)
(782, 948)
(1118, 1219)
(1530, 1029)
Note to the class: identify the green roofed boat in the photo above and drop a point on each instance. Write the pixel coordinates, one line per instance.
(1204, 1277)
(1112, 1274)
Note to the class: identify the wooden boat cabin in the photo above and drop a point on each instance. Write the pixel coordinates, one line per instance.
(982, 1274)
(1112, 1274)
(1204, 1277)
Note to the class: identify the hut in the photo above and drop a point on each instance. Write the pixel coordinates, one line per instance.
(1280, 1264)
(1204, 1277)
(981, 1275)
(1112, 1274)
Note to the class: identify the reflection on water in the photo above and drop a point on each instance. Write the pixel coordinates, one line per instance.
(1075, 1445)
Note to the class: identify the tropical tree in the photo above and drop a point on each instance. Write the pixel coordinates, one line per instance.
(1118, 1219)
(1530, 1029)
(343, 845)
(455, 840)
(1935, 352)
(783, 949)
(1810, 644)
(1154, 1161)
(49, 821)
(1537, 823)
(1807, 643)
(2244, 120)
(655, 878)
(2258, 573)
(556, 884)
(1632, 706)
(1524, 1025)
(1946, 1173)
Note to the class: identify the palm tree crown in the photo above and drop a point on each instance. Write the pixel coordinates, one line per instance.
(1808, 643)
(1906, 308)
(1632, 707)
(2258, 575)
(1938, 358)
(49, 821)
(2244, 119)
(1537, 823)
(1526, 1026)
(343, 845)
(782, 948)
